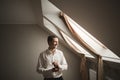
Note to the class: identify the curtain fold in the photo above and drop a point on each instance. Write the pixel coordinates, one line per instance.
(83, 67)
(100, 68)
(75, 34)
(86, 46)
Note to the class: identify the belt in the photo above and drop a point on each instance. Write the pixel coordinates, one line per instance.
(59, 78)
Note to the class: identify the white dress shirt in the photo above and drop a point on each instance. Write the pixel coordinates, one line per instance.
(45, 65)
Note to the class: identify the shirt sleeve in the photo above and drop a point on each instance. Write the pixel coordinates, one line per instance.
(40, 68)
(63, 65)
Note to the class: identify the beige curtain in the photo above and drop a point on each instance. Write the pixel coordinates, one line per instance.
(100, 68)
(83, 67)
(88, 47)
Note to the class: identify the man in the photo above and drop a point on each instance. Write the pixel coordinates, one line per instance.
(52, 62)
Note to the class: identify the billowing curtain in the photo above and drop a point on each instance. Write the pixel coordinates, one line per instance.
(79, 51)
(80, 38)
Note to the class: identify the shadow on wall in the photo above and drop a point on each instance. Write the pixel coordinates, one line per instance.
(20, 48)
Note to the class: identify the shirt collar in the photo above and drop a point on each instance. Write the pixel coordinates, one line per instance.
(50, 52)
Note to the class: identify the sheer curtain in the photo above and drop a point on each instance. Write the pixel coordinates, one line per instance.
(79, 51)
(89, 43)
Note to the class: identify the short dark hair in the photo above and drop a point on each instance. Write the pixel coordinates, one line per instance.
(50, 38)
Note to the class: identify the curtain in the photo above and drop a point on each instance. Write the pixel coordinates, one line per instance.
(100, 68)
(83, 67)
(82, 41)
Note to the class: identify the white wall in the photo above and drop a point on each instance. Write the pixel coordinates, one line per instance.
(20, 45)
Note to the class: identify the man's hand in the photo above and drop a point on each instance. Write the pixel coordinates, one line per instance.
(55, 64)
(56, 67)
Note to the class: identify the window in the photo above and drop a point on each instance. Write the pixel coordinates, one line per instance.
(89, 41)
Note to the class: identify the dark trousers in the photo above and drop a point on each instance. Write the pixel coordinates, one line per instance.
(60, 78)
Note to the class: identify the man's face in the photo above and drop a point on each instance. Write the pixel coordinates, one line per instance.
(54, 43)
